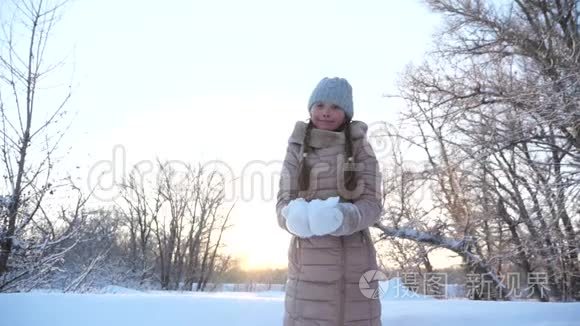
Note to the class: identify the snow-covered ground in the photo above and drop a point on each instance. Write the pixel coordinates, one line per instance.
(120, 306)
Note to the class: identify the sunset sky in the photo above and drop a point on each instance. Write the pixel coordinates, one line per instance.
(196, 81)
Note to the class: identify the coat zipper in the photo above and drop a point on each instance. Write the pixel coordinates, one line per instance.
(343, 283)
(299, 271)
(367, 243)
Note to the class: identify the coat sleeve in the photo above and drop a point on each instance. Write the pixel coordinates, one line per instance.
(367, 209)
(288, 185)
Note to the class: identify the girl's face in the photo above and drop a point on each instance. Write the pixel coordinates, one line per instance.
(327, 116)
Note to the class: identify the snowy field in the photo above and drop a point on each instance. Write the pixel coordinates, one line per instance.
(122, 307)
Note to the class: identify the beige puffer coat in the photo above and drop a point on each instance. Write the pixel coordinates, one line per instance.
(324, 271)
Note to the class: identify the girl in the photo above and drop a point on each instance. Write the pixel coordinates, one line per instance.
(329, 197)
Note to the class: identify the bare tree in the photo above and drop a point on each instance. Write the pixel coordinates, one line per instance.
(177, 192)
(181, 211)
(139, 213)
(495, 111)
(43, 246)
(404, 186)
(31, 233)
(207, 273)
(204, 213)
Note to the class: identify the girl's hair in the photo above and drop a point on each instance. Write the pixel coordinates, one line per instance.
(304, 170)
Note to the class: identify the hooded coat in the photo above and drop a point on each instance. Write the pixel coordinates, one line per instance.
(325, 273)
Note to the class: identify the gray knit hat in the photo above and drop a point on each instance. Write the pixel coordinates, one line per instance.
(336, 91)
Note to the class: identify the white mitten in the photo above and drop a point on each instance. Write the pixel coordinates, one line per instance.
(324, 217)
(296, 214)
(351, 221)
